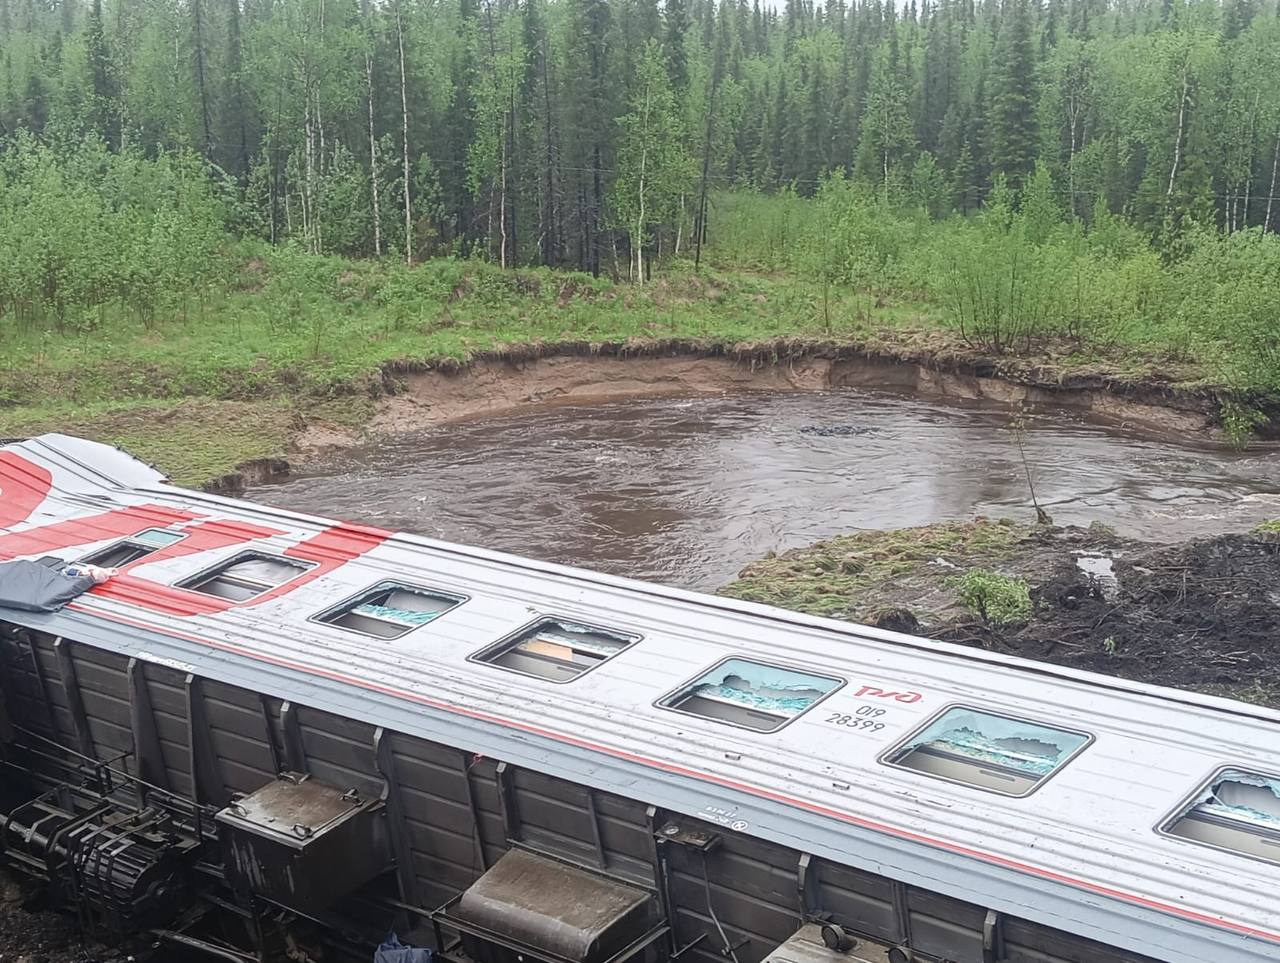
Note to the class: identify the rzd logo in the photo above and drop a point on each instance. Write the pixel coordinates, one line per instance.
(871, 690)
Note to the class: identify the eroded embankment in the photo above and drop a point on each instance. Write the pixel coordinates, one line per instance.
(411, 395)
(1199, 615)
(511, 378)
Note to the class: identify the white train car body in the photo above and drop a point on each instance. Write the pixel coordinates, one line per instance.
(1143, 818)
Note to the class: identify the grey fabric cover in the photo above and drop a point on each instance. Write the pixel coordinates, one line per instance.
(39, 586)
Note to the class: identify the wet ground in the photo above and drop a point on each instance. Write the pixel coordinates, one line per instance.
(688, 491)
(1199, 614)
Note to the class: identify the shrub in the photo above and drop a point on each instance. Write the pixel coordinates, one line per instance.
(996, 599)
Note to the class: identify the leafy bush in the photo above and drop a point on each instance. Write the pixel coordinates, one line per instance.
(996, 599)
(82, 228)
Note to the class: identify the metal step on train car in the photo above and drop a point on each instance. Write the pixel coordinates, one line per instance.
(272, 733)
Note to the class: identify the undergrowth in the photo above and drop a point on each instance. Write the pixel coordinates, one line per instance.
(994, 598)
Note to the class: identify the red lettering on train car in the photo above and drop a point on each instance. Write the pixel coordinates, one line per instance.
(878, 693)
(23, 486)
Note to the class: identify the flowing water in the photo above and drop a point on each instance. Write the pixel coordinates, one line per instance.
(688, 490)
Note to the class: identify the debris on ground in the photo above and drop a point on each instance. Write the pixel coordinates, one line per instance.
(31, 934)
(1198, 615)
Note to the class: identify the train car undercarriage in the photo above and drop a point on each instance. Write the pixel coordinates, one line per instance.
(168, 809)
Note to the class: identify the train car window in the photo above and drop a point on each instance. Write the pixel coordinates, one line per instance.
(132, 548)
(245, 577)
(987, 750)
(390, 609)
(1237, 810)
(556, 649)
(754, 695)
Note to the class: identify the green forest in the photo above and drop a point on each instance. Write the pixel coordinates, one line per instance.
(225, 199)
(575, 132)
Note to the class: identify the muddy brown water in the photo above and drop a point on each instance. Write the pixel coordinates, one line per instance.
(688, 490)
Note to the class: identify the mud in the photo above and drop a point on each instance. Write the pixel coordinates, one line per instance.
(424, 397)
(1201, 614)
(32, 934)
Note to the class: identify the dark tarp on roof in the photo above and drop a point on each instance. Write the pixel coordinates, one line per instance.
(39, 586)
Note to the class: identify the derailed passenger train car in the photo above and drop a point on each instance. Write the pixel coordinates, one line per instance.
(272, 732)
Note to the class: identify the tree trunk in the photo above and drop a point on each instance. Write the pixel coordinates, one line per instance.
(551, 237)
(638, 238)
(1248, 177)
(699, 222)
(197, 24)
(510, 162)
(1271, 194)
(404, 133)
(373, 159)
(1177, 144)
(308, 175)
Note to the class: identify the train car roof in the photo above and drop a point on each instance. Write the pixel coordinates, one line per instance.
(1129, 813)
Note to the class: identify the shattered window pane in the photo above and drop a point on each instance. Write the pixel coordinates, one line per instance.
(752, 694)
(556, 649)
(988, 751)
(245, 576)
(390, 609)
(133, 548)
(1238, 810)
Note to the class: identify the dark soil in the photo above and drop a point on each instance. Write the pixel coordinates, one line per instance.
(1203, 614)
(30, 934)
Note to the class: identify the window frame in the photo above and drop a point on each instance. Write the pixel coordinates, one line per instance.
(660, 703)
(87, 558)
(351, 602)
(1183, 809)
(897, 747)
(512, 639)
(219, 568)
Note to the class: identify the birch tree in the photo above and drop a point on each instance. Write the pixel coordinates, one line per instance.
(655, 171)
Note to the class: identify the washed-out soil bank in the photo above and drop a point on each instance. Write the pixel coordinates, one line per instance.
(411, 395)
(1202, 615)
(573, 371)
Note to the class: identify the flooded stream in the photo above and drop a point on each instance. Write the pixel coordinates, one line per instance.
(688, 490)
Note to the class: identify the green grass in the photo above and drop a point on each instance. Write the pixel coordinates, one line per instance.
(323, 326)
(287, 334)
(843, 576)
(193, 441)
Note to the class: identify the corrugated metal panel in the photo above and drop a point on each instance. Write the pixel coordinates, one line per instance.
(1079, 854)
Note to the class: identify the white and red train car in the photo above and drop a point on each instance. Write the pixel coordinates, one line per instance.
(548, 763)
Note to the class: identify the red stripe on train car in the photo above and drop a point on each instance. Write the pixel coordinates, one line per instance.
(327, 551)
(23, 486)
(90, 528)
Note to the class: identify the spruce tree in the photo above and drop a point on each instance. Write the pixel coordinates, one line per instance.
(1013, 106)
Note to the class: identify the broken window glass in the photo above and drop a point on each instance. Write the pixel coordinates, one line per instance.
(556, 649)
(751, 694)
(988, 750)
(1238, 810)
(132, 548)
(390, 609)
(245, 576)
